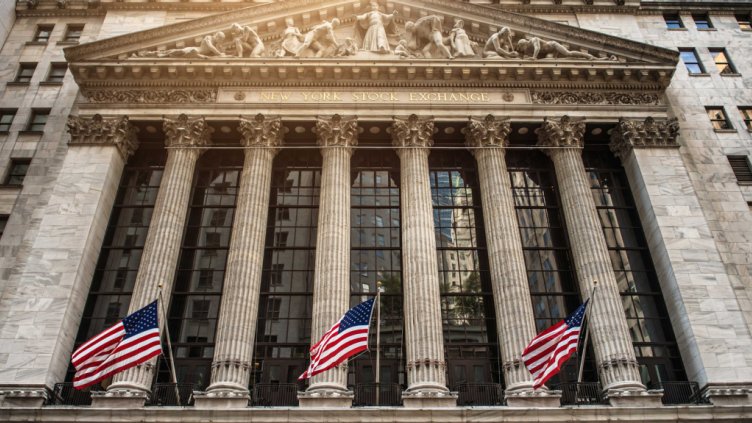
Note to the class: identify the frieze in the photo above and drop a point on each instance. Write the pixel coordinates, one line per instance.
(155, 96)
(586, 97)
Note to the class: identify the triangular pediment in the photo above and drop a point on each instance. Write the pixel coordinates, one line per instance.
(224, 47)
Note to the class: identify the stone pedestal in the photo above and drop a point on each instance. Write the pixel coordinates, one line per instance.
(238, 314)
(729, 395)
(541, 398)
(23, 397)
(122, 398)
(331, 280)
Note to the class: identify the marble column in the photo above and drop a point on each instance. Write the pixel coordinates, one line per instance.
(424, 338)
(488, 138)
(238, 313)
(58, 272)
(331, 281)
(185, 139)
(617, 367)
(677, 232)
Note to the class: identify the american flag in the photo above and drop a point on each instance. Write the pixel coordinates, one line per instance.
(346, 338)
(132, 341)
(546, 353)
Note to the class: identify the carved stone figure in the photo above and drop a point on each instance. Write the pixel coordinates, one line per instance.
(209, 47)
(320, 41)
(424, 38)
(246, 41)
(292, 39)
(460, 42)
(403, 52)
(346, 48)
(535, 48)
(371, 30)
(499, 45)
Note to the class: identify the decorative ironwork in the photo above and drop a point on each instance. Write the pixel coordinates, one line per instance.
(275, 395)
(583, 393)
(475, 394)
(172, 394)
(682, 393)
(389, 394)
(66, 394)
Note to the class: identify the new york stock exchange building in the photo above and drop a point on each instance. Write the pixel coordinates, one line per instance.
(486, 167)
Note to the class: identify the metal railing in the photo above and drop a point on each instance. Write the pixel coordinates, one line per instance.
(583, 393)
(681, 393)
(389, 394)
(171, 394)
(475, 394)
(66, 394)
(274, 395)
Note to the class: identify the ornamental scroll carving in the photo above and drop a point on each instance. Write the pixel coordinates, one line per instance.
(187, 132)
(337, 131)
(152, 96)
(412, 132)
(487, 132)
(630, 134)
(585, 97)
(99, 131)
(261, 131)
(562, 133)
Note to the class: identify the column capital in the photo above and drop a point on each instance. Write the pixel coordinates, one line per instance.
(97, 130)
(562, 133)
(630, 134)
(261, 131)
(186, 132)
(337, 131)
(412, 132)
(488, 132)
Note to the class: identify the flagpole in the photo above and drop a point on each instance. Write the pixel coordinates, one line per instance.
(378, 341)
(169, 343)
(586, 319)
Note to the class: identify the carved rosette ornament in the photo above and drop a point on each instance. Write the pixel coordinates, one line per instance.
(337, 131)
(563, 133)
(630, 134)
(261, 131)
(487, 132)
(412, 132)
(186, 132)
(100, 131)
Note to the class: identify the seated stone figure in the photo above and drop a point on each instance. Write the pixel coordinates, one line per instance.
(424, 38)
(246, 41)
(499, 45)
(535, 48)
(209, 47)
(320, 41)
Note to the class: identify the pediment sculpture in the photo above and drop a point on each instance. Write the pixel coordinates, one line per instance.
(377, 32)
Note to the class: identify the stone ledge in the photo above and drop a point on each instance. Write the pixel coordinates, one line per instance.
(221, 399)
(534, 399)
(121, 399)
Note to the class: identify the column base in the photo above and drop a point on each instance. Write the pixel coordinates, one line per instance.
(634, 398)
(325, 398)
(221, 399)
(23, 396)
(121, 398)
(528, 398)
(429, 398)
(728, 394)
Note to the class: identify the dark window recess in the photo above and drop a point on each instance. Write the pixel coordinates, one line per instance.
(6, 119)
(702, 21)
(73, 33)
(722, 61)
(43, 33)
(746, 113)
(17, 171)
(57, 72)
(741, 168)
(25, 72)
(673, 21)
(691, 60)
(718, 118)
(38, 120)
(3, 223)
(744, 21)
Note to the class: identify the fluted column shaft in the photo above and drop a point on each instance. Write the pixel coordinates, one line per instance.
(424, 338)
(331, 291)
(162, 246)
(511, 290)
(236, 327)
(614, 354)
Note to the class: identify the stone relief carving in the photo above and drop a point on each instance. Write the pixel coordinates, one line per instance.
(246, 41)
(535, 48)
(337, 131)
(177, 96)
(186, 132)
(99, 131)
(584, 97)
(487, 132)
(423, 38)
(563, 133)
(371, 30)
(412, 132)
(261, 131)
(499, 45)
(630, 134)
(460, 42)
(209, 47)
(320, 41)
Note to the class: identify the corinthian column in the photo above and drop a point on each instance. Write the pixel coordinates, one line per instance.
(424, 338)
(514, 312)
(617, 366)
(238, 313)
(184, 140)
(331, 278)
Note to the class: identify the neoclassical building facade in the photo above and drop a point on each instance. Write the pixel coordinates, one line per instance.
(263, 167)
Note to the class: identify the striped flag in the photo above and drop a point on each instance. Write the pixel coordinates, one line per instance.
(132, 341)
(346, 338)
(546, 353)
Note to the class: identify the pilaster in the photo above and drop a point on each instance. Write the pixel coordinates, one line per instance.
(424, 338)
(185, 141)
(617, 366)
(331, 282)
